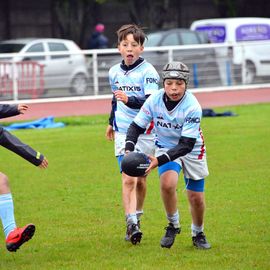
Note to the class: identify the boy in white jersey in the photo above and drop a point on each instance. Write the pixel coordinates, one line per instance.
(180, 145)
(132, 81)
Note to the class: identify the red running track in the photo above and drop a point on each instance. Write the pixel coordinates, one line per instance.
(94, 107)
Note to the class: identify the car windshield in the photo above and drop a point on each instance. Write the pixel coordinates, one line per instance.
(10, 47)
(152, 40)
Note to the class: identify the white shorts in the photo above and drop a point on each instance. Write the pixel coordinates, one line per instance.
(193, 168)
(145, 144)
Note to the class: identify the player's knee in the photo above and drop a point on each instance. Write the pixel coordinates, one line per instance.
(129, 182)
(141, 183)
(168, 187)
(196, 199)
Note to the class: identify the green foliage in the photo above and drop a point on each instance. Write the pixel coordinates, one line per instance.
(77, 208)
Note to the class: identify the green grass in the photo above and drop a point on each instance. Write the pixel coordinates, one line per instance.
(77, 208)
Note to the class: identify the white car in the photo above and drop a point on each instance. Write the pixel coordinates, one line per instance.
(63, 70)
(234, 32)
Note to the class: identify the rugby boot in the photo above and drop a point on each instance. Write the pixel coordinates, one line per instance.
(169, 237)
(199, 241)
(127, 238)
(19, 236)
(133, 234)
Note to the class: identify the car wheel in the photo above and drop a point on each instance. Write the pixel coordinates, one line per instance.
(79, 84)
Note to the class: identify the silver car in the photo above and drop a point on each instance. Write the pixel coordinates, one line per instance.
(57, 69)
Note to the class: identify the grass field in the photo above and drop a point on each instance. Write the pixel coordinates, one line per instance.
(77, 208)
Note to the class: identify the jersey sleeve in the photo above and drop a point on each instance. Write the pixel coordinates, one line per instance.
(144, 116)
(192, 123)
(7, 110)
(151, 81)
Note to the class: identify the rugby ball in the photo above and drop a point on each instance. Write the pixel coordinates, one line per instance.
(135, 164)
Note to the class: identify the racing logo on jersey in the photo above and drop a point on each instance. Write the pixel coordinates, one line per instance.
(193, 120)
(168, 125)
(128, 88)
(151, 80)
(145, 111)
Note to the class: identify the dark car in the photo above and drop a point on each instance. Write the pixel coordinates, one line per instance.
(174, 37)
(200, 60)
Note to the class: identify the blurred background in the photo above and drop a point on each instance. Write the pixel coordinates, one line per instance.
(45, 46)
(76, 19)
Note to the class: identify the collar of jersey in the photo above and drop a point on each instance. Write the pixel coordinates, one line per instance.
(127, 68)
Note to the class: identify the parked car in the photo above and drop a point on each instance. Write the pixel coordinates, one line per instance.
(174, 37)
(201, 61)
(63, 70)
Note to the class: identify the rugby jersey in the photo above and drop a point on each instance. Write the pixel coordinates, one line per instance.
(183, 120)
(139, 81)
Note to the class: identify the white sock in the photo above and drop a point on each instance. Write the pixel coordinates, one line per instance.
(174, 219)
(196, 229)
(131, 218)
(139, 213)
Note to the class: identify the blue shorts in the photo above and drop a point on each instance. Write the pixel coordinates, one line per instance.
(119, 159)
(193, 185)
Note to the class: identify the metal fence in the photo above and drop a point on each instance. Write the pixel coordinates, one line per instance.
(21, 78)
(211, 66)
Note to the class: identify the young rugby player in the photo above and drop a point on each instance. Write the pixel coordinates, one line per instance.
(132, 81)
(180, 146)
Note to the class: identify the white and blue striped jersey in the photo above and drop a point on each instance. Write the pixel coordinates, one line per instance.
(183, 120)
(140, 81)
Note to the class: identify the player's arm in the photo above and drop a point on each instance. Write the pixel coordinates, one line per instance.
(112, 114)
(133, 133)
(184, 146)
(13, 144)
(7, 110)
(136, 103)
(109, 133)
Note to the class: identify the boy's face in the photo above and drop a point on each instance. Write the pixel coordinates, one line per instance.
(175, 89)
(130, 50)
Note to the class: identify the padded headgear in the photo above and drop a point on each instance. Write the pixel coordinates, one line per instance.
(176, 70)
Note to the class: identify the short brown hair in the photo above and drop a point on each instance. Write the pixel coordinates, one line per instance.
(137, 32)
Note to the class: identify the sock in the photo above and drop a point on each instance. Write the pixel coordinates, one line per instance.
(139, 213)
(7, 213)
(196, 229)
(174, 219)
(131, 218)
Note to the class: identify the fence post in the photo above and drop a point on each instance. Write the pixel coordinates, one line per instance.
(195, 76)
(14, 81)
(243, 65)
(228, 73)
(95, 73)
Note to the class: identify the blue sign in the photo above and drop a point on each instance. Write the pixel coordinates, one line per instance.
(250, 32)
(216, 33)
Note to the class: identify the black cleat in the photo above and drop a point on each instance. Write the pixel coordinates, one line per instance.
(127, 237)
(168, 239)
(199, 241)
(133, 234)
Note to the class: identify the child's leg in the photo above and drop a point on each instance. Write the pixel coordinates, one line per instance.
(6, 206)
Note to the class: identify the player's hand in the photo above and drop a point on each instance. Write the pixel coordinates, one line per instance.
(153, 164)
(121, 96)
(109, 133)
(22, 108)
(44, 164)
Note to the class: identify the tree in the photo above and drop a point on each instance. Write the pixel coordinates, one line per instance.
(72, 19)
